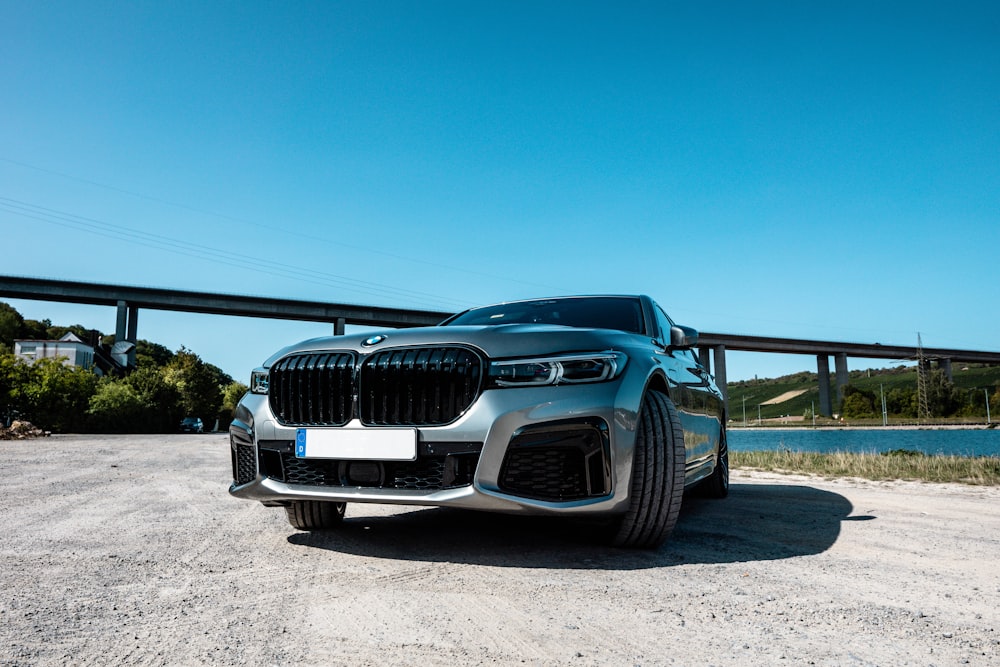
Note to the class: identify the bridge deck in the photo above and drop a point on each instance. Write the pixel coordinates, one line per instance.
(42, 289)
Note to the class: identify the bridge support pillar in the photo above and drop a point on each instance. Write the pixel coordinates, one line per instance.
(133, 332)
(823, 370)
(945, 365)
(843, 377)
(122, 322)
(127, 327)
(719, 354)
(704, 358)
(339, 326)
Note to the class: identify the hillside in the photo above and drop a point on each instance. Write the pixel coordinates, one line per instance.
(801, 391)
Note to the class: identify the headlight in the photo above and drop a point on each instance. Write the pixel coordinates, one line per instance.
(569, 369)
(259, 381)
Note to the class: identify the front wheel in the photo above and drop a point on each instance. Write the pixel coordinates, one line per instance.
(657, 485)
(315, 514)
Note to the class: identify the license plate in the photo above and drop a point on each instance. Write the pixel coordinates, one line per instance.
(394, 444)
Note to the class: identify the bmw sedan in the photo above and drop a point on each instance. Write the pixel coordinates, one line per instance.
(589, 407)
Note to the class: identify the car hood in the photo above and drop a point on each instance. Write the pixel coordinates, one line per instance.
(496, 341)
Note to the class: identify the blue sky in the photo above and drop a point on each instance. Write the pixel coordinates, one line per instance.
(811, 170)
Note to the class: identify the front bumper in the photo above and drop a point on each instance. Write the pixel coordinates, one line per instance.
(543, 450)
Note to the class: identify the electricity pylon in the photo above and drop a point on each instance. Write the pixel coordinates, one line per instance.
(923, 410)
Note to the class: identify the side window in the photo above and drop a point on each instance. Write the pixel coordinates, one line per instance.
(663, 324)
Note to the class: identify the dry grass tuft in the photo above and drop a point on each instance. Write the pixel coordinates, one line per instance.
(899, 464)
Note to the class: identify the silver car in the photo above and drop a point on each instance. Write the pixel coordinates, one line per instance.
(590, 407)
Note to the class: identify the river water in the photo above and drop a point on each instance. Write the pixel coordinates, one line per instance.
(960, 442)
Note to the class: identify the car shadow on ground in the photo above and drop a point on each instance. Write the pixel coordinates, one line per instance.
(756, 522)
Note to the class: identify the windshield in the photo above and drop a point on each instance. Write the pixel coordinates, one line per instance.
(602, 312)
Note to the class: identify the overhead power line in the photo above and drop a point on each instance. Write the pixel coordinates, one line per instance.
(284, 231)
(186, 248)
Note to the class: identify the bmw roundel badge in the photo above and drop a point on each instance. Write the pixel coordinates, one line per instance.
(374, 340)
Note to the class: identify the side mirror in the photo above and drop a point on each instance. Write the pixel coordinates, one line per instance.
(683, 337)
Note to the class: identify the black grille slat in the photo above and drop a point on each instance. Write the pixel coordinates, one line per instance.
(298, 404)
(281, 386)
(311, 404)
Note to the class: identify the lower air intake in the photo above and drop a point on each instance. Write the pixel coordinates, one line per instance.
(560, 461)
(244, 464)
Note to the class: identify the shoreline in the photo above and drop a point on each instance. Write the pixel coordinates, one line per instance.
(869, 427)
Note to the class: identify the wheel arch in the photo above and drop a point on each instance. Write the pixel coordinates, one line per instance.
(657, 381)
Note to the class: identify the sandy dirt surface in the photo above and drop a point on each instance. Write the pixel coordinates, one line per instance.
(129, 550)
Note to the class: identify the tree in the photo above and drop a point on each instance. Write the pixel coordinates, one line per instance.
(11, 324)
(9, 378)
(153, 355)
(222, 378)
(197, 383)
(35, 330)
(857, 403)
(160, 400)
(51, 395)
(902, 402)
(231, 395)
(142, 402)
(56, 332)
(944, 399)
(115, 408)
(164, 387)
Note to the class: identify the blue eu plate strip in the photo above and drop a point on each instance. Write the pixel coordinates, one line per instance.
(300, 443)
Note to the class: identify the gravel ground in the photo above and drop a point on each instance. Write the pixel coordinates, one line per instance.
(128, 549)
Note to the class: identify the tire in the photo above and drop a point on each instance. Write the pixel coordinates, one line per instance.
(657, 485)
(315, 514)
(717, 484)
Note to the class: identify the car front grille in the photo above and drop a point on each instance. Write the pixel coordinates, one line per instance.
(418, 386)
(313, 389)
(397, 387)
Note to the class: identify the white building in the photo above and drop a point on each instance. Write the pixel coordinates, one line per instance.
(73, 351)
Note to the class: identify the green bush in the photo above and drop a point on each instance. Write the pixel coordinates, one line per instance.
(115, 408)
(50, 395)
(160, 399)
(142, 402)
(231, 395)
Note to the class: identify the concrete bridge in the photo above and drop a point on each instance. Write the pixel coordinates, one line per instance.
(712, 346)
(712, 349)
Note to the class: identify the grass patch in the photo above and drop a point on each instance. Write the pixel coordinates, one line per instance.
(898, 464)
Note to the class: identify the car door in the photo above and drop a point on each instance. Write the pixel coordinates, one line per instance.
(698, 402)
